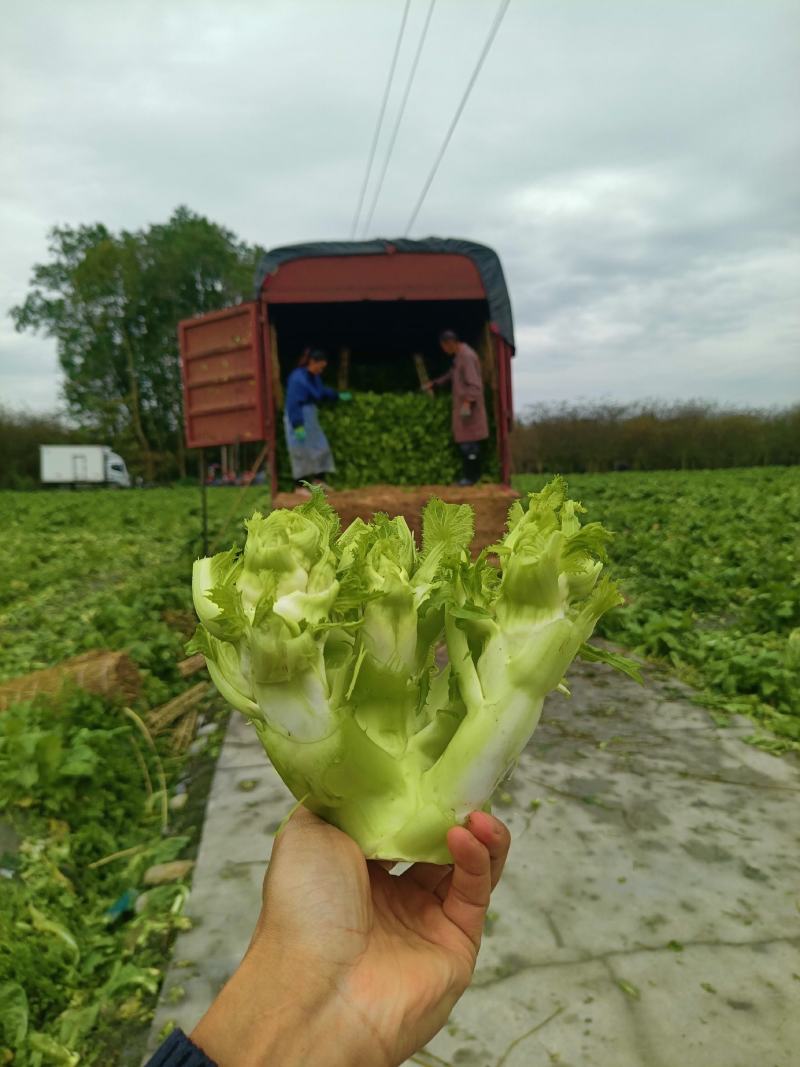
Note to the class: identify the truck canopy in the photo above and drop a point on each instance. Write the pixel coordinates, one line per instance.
(484, 258)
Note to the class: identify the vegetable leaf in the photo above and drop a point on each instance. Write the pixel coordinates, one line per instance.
(327, 642)
(594, 654)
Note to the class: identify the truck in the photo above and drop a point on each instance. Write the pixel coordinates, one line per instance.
(74, 465)
(378, 304)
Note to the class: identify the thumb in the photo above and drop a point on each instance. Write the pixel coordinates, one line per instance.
(470, 884)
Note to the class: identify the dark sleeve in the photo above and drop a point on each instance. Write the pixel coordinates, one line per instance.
(443, 378)
(316, 391)
(296, 396)
(471, 377)
(179, 1051)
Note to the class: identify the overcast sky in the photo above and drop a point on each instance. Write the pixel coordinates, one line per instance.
(635, 164)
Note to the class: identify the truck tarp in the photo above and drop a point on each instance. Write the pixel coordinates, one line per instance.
(484, 258)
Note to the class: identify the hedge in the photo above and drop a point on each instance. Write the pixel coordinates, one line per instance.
(571, 438)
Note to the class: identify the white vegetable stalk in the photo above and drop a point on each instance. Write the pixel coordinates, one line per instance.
(327, 643)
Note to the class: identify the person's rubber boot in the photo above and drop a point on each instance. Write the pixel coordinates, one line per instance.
(472, 465)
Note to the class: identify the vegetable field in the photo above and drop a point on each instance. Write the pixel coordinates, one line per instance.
(708, 562)
(83, 788)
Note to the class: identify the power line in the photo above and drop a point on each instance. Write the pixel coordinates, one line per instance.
(379, 123)
(399, 119)
(488, 44)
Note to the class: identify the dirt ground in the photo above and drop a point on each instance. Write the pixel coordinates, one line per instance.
(491, 504)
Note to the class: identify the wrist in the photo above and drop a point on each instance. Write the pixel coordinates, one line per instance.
(274, 1016)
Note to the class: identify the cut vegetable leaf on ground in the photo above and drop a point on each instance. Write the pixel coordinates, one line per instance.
(326, 640)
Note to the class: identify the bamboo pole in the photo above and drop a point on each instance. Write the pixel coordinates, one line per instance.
(422, 370)
(191, 665)
(277, 385)
(344, 369)
(160, 718)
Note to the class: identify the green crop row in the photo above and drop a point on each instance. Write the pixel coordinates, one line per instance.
(83, 794)
(710, 564)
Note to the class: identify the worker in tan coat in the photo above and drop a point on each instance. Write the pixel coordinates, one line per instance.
(470, 425)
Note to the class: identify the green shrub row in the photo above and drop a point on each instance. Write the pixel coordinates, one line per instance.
(572, 438)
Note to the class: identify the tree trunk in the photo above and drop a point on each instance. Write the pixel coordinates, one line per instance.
(136, 415)
(180, 454)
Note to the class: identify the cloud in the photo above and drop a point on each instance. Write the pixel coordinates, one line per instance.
(634, 164)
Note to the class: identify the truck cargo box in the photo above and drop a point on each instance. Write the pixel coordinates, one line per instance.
(82, 465)
(383, 303)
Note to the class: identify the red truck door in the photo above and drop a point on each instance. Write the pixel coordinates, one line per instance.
(224, 378)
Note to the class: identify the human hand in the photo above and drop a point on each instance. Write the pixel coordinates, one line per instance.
(349, 964)
(345, 395)
(427, 387)
(300, 433)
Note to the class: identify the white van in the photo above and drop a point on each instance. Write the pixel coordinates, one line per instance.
(82, 465)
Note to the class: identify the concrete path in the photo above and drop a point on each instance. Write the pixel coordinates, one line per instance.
(649, 915)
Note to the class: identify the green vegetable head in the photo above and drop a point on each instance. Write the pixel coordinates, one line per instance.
(328, 642)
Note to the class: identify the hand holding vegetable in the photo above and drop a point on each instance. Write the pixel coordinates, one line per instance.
(327, 642)
(300, 433)
(349, 964)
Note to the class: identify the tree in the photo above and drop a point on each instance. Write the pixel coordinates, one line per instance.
(113, 302)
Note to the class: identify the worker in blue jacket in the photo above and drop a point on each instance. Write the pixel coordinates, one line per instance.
(309, 452)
